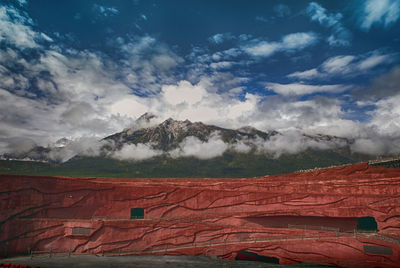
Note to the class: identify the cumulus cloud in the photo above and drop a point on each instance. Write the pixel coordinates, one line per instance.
(289, 43)
(200, 102)
(63, 92)
(183, 93)
(340, 36)
(347, 65)
(303, 89)
(379, 12)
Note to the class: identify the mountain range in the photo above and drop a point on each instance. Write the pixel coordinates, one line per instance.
(184, 149)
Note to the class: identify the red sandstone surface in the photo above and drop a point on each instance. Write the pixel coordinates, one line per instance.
(302, 217)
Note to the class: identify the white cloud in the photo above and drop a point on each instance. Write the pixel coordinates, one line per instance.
(137, 152)
(200, 102)
(303, 89)
(105, 11)
(338, 64)
(183, 93)
(318, 13)
(347, 65)
(340, 35)
(298, 41)
(387, 115)
(222, 65)
(373, 60)
(289, 43)
(241, 147)
(245, 37)
(374, 146)
(308, 74)
(379, 12)
(220, 38)
(16, 29)
(130, 106)
(262, 48)
(192, 146)
(292, 142)
(85, 93)
(146, 63)
(22, 2)
(84, 146)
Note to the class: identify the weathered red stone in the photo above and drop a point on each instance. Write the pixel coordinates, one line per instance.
(302, 217)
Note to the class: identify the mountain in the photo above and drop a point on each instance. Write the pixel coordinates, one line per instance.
(170, 133)
(184, 149)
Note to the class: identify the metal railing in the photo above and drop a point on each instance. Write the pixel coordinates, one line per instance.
(333, 233)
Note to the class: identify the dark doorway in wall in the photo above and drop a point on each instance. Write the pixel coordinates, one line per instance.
(251, 256)
(341, 224)
(367, 224)
(137, 213)
(80, 231)
(382, 250)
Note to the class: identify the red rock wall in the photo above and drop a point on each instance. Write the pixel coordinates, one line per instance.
(213, 217)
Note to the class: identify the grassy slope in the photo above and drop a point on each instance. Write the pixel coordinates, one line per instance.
(229, 165)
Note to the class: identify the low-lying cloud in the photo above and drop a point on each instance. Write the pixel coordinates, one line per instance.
(192, 146)
(137, 152)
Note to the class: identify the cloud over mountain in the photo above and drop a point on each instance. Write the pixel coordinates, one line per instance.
(305, 68)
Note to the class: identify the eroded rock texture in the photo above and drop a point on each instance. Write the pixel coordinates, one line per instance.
(313, 217)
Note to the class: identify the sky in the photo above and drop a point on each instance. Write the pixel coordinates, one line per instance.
(88, 69)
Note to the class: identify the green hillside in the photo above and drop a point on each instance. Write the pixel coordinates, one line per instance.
(233, 165)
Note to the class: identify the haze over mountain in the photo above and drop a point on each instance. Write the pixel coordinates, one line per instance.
(174, 139)
(186, 149)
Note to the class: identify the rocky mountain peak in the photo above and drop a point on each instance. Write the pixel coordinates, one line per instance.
(170, 133)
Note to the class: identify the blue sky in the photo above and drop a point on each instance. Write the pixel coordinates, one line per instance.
(91, 68)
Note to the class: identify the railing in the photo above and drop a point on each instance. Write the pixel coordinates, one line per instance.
(313, 227)
(171, 248)
(383, 160)
(393, 162)
(50, 253)
(167, 248)
(207, 244)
